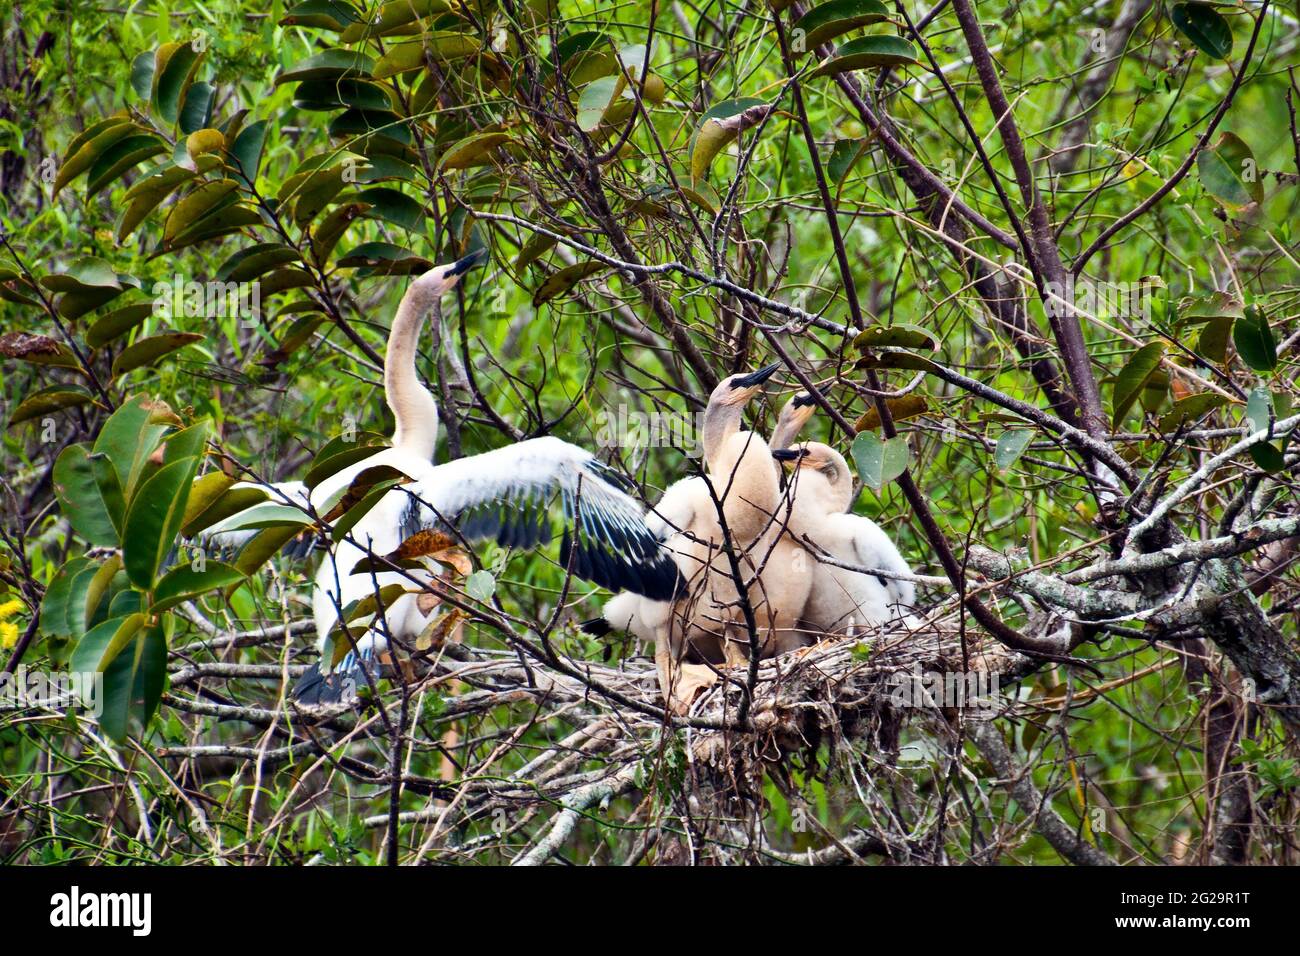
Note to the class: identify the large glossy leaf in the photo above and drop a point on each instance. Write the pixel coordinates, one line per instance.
(174, 67)
(114, 324)
(721, 125)
(123, 155)
(896, 336)
(153, 521)
(880, 462)
(130, 436)
(147, 351)
(1191, 409)
(185, 583)
(198, 204)
(1229, 172)
(328, 65)
(324, 14)
(868, 53)
(59, 610)
(1011, 445)
(81, 154)
(564, 280)
(471, 151)
(384, 258)
(829, 20)
(1204, 26)
(81, 500)
(48, 400)
(104, 641)
(1133, 379)
(1254, 340)
(133, 684)
(397, 17)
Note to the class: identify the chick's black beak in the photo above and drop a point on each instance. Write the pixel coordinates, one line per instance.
(755, 378)
(788, 454)
(461, 266)
(803, 400)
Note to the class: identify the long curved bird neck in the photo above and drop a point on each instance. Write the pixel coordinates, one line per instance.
(415, 414)
(720, 423)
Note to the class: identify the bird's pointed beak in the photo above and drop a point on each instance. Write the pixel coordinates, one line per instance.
(461, 266)
(803, 400)
(788, 454)
(755, 379)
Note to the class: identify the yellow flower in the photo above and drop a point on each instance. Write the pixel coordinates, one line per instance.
(10, 608)
(8, 634)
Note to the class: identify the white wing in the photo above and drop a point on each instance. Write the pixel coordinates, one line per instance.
(676, 510)
(872, 548)
(505, 494)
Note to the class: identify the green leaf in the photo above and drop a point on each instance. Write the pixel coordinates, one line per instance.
(82, 502)
(133, 684)
(385, 259)
(405, 57)
(204, 493)
(47, 400)
(123, 155)
(258, 259)
(720, 125)
(323, 14)
(1229, 172)
(185, 584)
(564, 280)
(395, 17)
(142, 74)
(1266, 456)
(196, 111)
(481, 585)
(1205, 27)
(200, 203)
(81, 154)
(146, 195)
(114, 324)
(880, 462)
(263, 547)
(84, 274)
(868, 53)
(1011, 445)
(1259, 408)
(245, 152)
(829, 20)
(57, 612)
(1133, 379)
(595, 100)
(471, 151)
(1254, 340)
(1191, 409)
(392, 205)
(1213, 340)
(328, 65)
(896, 336)
(340, 452)
(270, 514)
(208, 510)
(844, 154)
(129, 437)
(147, 351)
(174, 68)
(103, 642)
(153, 521)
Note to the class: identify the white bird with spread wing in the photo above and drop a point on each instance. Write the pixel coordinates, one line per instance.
(503, 494)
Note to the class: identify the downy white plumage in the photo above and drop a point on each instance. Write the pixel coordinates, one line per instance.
(842, 601)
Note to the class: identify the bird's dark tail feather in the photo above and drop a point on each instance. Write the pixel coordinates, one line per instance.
(596, 627)
(340, 685)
